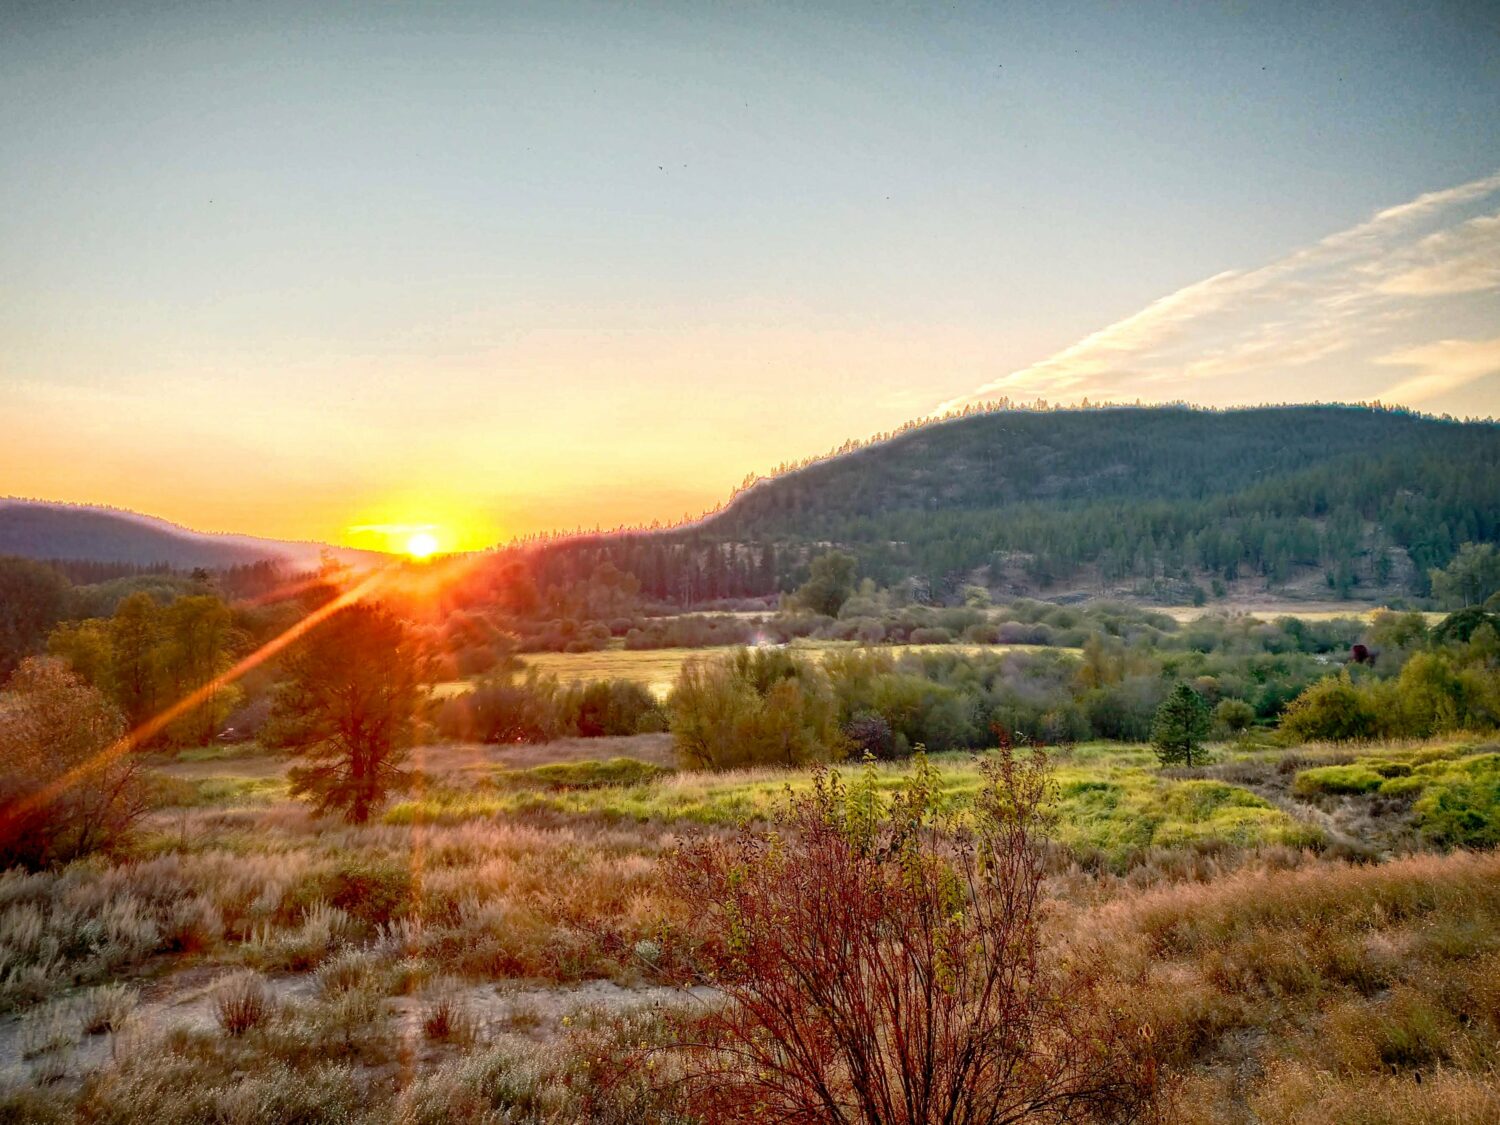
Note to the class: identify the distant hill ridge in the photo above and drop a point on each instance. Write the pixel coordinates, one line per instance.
(42, 529)
(1360, 498)
(1141, 490)
(1168, 503)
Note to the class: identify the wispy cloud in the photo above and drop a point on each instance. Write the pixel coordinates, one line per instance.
(1443, 366)
(1464, 260)
(1319, 322)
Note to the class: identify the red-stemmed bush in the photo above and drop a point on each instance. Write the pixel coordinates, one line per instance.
(881, 961)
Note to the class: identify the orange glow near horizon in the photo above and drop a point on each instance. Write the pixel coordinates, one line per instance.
(447, 530)
(421, 546)
(373, 584)
(148, 730)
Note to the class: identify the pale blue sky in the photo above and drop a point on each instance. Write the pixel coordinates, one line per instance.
(510, 266)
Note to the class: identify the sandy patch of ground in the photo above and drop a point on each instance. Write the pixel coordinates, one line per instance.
(187, 1000)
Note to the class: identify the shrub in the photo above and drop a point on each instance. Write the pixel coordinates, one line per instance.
(1331, 710)
(50, 1029)
(610, 707)
(69, 783)
(347, 971)
(1462, 809)
(1337, 780)
(870, 734)
(754, 707)
(167, 1088)
(1233, 716)
(242, 1003)
(866, 950)
(371, 890)
(107, 1008)
(505, 708)
(447, 1017)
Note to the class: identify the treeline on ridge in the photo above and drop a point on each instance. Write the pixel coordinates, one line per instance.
(1369, 497)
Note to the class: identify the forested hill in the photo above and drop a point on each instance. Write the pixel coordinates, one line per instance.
(1164, 502)
(39, 530)
(1142, 491)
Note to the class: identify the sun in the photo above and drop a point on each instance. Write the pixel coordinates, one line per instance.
(422, 545)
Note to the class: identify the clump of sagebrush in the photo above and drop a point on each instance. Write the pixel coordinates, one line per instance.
(447, 1015)
(242, 1003)
(107, 1008)
(882, 962)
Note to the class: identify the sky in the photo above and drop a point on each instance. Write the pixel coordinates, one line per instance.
(345, 271)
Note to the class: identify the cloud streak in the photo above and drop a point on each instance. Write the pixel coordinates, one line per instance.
(1414, 285)
(1443, 366)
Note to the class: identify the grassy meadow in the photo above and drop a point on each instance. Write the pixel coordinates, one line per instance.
(657, 669)
(1308, 943)
(1269, 609)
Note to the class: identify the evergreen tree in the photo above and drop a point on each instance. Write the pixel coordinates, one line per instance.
(355, 688)
(33, 597)
(1180, 726)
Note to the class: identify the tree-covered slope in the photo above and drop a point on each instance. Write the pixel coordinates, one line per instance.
(1146, 491)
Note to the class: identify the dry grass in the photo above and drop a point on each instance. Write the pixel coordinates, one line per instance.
(657, 669)
(107, 1008)
(242, 1003)
(447, 1017)
(1282, 985)
(1352, 993)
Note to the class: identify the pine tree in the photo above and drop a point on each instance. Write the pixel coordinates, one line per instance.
(355, 688)
(1180, 726)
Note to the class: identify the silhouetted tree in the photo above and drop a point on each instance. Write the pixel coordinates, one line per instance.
(356, 686)
(33, 597)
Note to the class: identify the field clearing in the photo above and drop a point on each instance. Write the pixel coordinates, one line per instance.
(656, 669)
(524, 880)
(1268, 610)
(1113, 801)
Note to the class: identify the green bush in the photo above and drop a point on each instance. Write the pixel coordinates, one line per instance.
(610, 707)
(1461, 808)
(373, 891)
(1403, 786)
(1232, 716)
(1335, 780)
(1331, 710)
(583, 775)
(506, 708)
(755, 707)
